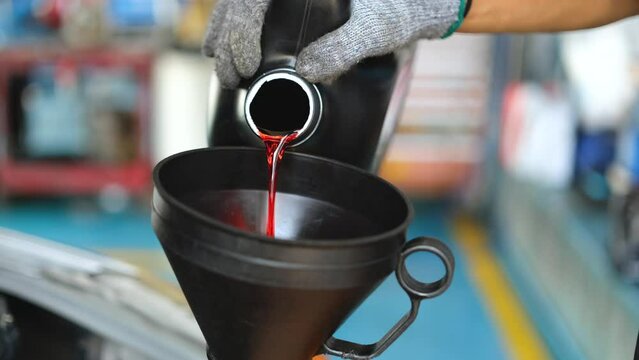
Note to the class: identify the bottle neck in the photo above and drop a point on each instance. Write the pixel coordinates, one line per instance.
(281, 102)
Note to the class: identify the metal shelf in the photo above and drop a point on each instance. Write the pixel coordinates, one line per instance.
(84, 175)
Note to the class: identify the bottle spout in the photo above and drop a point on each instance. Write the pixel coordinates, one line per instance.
(281, 102)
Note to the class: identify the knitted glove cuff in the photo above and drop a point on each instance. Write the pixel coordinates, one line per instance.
(464, 7)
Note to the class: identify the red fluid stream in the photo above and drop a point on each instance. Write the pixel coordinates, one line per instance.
(275, 148)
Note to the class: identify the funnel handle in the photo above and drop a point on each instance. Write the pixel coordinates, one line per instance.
(416, 290)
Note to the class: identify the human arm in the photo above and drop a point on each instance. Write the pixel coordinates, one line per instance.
(378, 27)
(496, 16)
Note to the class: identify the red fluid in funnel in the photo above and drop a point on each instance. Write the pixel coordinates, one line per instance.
(275, 148)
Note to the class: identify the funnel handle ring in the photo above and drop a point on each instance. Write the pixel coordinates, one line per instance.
(416, 290)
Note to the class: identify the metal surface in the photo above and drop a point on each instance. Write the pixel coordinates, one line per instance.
(100, 294)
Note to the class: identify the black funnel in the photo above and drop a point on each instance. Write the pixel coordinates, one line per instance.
(340, 232)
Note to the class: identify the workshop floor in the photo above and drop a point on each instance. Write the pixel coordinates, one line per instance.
(479, 317)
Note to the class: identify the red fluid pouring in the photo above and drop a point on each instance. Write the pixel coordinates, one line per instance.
(275, 148)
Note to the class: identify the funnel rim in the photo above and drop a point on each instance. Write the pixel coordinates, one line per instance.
(297, 242)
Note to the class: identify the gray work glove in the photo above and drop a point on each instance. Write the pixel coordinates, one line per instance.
(233, 39)
(375, 27)
(378, 27)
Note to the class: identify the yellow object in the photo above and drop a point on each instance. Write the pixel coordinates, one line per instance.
(149, 264)
(194, 22)
(521, 339)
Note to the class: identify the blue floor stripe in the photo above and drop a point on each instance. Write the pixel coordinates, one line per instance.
(80, 224)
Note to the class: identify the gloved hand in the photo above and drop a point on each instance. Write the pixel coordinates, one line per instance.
(233, 39)
(375, 27)
(378, 27)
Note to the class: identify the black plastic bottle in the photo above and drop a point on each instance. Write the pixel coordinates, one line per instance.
(350, 120)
